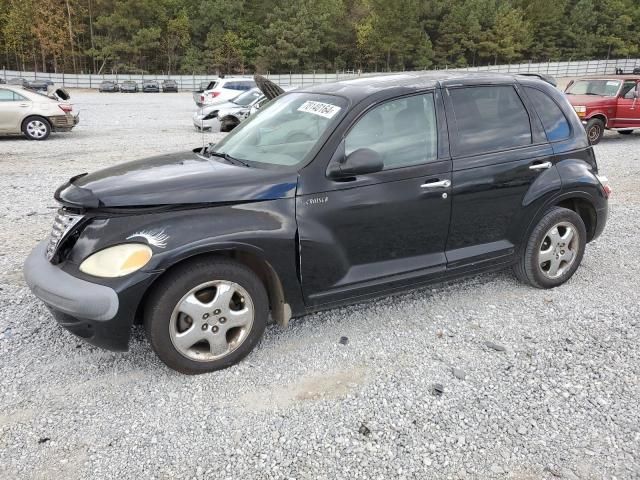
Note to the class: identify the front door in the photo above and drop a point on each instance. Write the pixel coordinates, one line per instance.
(12, 110)
(383, 230)
(628, 107)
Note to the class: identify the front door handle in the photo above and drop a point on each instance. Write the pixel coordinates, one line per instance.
(540, 166)
(23, 105)
(440, 184)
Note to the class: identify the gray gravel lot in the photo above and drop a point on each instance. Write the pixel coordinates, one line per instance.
(561, 401)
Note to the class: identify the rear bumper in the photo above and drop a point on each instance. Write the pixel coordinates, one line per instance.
(100, 314)
(64, 123)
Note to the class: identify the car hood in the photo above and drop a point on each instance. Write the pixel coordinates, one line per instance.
(589, 100)
(184, 178)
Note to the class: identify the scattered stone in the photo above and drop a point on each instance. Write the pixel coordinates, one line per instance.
(364, 430)
(44, 440)
(495, 346)
(458, 373)
(344, 340)
(437, 389)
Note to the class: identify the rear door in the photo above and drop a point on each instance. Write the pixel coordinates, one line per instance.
(628, 107)
(498, 150)
(13, 108)
(388, 229)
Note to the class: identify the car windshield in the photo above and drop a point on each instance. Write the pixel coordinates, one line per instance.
(603, 88)
(247, 98)
(285, 130)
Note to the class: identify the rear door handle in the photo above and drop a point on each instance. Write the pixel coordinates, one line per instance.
(23, 105)
(540, 166)
(440, 184)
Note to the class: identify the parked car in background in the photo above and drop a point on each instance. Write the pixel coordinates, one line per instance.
(223, 90)
(33, 114)
(606, 103)
(150, 86)
(109, 86)
(169, 86)
(40, 85)
(129, 86)
(2, 81)
(206, 118)
(340, 193)
(18, 81)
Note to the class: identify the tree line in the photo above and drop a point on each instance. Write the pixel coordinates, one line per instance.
(237, 36)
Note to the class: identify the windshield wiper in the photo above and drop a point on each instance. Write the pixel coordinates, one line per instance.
(228, 158)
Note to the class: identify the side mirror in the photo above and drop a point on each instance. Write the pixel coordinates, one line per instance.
(359, 162)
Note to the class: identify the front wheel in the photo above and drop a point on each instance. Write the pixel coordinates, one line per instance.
(206, 315)
(595, 130)
(554, 250)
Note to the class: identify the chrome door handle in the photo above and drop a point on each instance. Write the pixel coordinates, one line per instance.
(540, 166)
(23, 105)
(441, 184)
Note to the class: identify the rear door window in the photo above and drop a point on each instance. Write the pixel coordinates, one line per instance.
(402, 131)
(489, 119)
(555, 123)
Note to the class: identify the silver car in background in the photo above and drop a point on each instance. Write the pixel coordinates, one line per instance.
(35, 115)
(206, 118)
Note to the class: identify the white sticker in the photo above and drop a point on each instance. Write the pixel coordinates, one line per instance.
(325, 110)
(612, 83)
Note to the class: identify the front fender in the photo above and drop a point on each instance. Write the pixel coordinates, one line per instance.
(266, 230)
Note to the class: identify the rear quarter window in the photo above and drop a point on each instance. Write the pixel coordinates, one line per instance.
(489, 119)
(553, 120)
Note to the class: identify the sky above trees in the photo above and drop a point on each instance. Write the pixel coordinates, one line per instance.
(236, 36)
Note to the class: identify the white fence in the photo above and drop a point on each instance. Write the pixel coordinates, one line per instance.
(191, 82)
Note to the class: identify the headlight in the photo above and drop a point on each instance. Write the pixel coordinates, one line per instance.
(581, 110)
(117, 261)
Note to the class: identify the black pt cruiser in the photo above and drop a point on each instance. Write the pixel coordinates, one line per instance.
(330, 195)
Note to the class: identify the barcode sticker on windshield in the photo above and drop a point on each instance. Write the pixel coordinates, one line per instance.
(325, 110)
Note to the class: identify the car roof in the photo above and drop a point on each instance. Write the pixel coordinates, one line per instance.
(361, 87)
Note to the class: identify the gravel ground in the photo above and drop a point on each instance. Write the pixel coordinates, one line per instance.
(560, 401)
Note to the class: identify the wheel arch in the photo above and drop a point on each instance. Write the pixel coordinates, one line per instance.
(245, 255)
(600, 116)
(31, 117)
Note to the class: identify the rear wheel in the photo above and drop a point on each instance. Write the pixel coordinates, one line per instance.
(36, 128)
(206, 315)
(595, 130)
(554, 249)
(625, 132)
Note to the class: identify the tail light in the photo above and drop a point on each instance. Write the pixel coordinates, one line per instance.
(65, 107)
(214, 94)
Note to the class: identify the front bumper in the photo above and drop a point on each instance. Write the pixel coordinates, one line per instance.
(212, 124)
(100, 314)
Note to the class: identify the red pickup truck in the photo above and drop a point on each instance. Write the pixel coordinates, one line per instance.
(611, 103)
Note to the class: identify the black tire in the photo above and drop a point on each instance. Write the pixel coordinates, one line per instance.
(173, 287)
(227, 124)
(529, 270)
(595, 130)
(625, 132)
(36, 128)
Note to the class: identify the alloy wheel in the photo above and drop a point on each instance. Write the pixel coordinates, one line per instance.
(211, 320)
(558, 250)
(36, 129)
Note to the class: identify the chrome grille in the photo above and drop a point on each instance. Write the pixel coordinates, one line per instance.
(62, 225)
